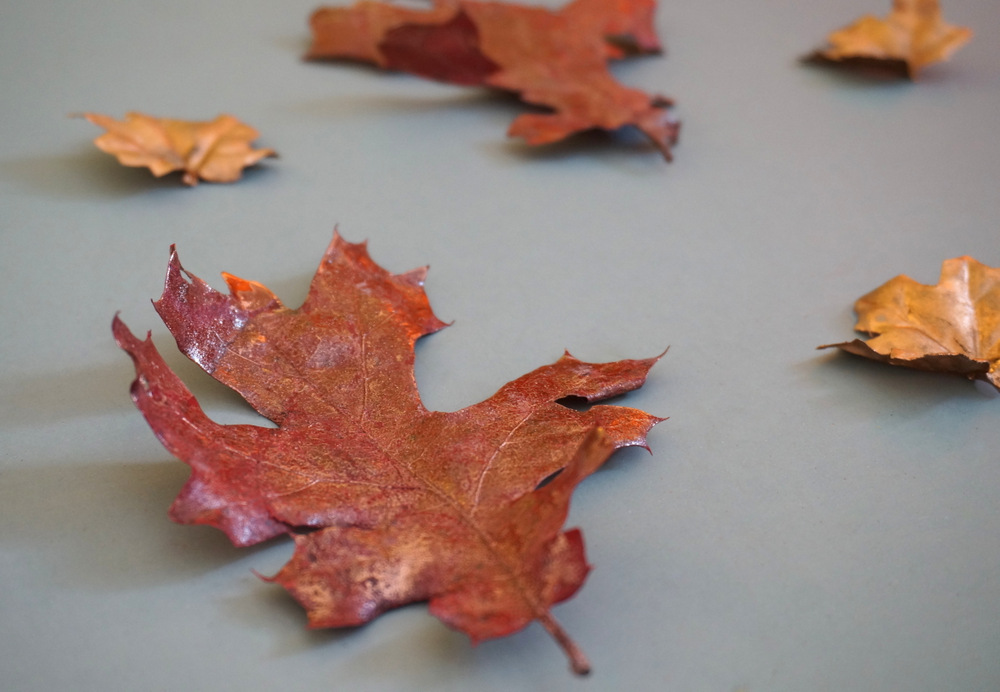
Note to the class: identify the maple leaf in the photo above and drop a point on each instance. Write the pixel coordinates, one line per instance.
(911, 37)
(388, 503)
(951, 327)
(216, 151)
(557, 60)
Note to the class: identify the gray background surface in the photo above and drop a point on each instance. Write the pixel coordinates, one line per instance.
(806, 521)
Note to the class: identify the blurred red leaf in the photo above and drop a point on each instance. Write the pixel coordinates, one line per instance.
(554, 59)
(388, 503)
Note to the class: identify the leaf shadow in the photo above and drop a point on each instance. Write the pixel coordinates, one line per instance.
(85, 173)
(89, 173)
(296, 44)
(43, 399)
(67, 394)
(268, 607)
(870, 388)
(626, 149)
(413, 642)
(622, 460)
(396, 646)
(404, 645)
(889, 80)
(106, 524)
(441, 97)
(860, 71)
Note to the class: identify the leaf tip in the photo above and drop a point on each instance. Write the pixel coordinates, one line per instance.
(123, 336)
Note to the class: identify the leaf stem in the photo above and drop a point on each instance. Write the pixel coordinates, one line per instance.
(577, 659)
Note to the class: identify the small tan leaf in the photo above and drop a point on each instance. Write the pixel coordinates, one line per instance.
(909, 39)
(216, 151)
(951, 327)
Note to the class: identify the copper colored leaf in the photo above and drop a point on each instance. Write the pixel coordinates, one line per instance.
(912, 37)
(951, 327)
(554, 59)
(216, 151)
(388, 503)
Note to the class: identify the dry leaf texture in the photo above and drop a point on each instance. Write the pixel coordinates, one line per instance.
(216, 151)
(554, 59)
(913, 36)
(388, 503)
(951, 327)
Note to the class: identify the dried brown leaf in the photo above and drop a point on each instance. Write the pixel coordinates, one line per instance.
(951, 327)
(216, 151)
(910, 38)
(388, 503)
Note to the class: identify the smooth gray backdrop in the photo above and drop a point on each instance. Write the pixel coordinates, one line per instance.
(806, 520)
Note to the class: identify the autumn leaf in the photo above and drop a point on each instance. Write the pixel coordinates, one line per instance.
(553, 59)
(952, 327)
(912, 37)
(216, 151)
(388, 503)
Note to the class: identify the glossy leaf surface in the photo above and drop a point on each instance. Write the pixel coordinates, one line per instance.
(388, 502)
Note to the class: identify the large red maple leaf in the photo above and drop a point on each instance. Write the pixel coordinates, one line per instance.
(553, 59)
(388, 503)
